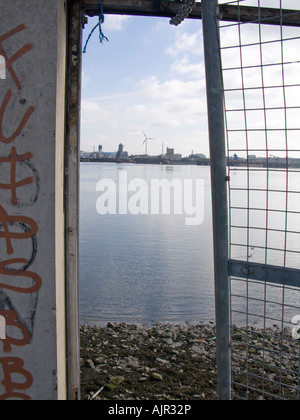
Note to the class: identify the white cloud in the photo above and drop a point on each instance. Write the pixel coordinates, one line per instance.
(186, 43)
(115, 22)
(167, 123)
(92, 112)
(185, 67)
(169, 89)
(86, 79)
(90, 107)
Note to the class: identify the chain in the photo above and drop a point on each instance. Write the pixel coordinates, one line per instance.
(186, 9)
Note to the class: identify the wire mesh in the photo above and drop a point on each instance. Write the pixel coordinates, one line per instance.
(261, 74)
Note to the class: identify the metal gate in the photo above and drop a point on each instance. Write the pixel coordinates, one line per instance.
(260, 55)
(253, 89)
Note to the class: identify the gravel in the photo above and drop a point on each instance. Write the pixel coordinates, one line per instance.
(178, 362)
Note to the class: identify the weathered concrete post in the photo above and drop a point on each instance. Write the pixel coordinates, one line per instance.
(32, 243)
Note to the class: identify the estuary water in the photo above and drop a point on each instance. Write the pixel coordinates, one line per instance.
(145, 268)
(145, 260)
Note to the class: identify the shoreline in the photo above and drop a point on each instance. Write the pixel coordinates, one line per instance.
(178, 362)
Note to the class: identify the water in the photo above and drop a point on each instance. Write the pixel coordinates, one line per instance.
(156, 268)
(144, 268)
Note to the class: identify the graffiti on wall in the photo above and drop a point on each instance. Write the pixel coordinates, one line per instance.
(19, 188)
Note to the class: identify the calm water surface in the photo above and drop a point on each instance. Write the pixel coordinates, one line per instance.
(144, 268)
(155, 268)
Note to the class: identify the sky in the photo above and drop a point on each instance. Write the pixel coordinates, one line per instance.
(150, 78)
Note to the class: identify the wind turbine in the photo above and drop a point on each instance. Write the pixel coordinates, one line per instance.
(146, 142)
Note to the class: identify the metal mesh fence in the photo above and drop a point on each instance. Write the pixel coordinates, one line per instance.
(261, 75)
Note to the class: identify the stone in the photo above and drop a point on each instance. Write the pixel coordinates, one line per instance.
(154, 376)
(162, 361)
(116, 380)
(168, 341)
(91, 364)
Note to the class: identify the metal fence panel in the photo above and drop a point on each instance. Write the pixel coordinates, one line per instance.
(261, 78)
(215, 104)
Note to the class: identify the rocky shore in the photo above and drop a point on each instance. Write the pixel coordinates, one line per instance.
(132, 362)
(178, 362)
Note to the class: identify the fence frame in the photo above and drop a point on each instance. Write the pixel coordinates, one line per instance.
(224, 266)
(219, 180)
(265, 372)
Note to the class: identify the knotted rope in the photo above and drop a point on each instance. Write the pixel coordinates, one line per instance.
(102, 37)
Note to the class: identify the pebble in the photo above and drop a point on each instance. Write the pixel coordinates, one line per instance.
(154, 376)
(149, 361)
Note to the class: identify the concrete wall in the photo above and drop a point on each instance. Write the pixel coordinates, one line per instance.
(32, 97)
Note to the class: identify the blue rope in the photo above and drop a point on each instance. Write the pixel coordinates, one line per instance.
(102, 37)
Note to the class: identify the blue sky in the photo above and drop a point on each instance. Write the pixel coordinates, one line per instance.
(148, 77)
